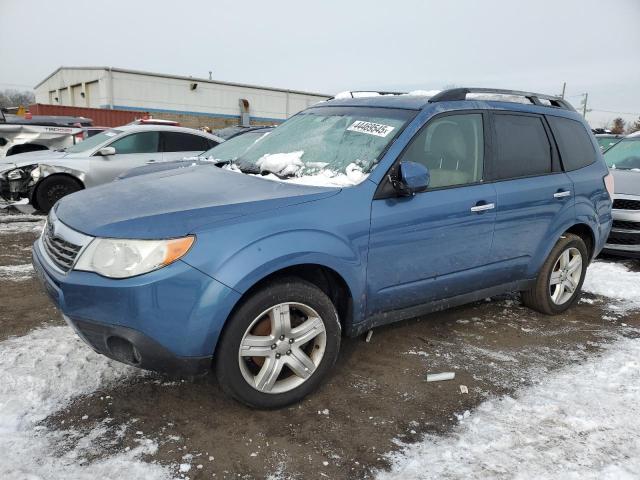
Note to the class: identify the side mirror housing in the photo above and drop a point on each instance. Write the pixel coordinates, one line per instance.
(412, 178)
(106, 151)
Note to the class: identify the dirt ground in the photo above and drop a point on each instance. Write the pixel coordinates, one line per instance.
(376, 398)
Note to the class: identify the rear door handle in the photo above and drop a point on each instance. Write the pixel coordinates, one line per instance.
(151, 161)
(562, 194)
(483, 207)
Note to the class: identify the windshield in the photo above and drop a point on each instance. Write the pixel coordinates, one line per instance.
(92, 142)
(233, 148)
(326, 145)
(606, 142)
(624, 155)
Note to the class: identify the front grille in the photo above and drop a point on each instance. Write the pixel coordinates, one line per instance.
(623, 241)
(624, 225)
(624, 204)
(61, 252)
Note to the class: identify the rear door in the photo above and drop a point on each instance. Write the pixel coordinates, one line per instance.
(177, 145)
(434, 244)
(533, 193)
(133, 150)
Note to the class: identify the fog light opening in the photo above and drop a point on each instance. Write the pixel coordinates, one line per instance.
(124, 351)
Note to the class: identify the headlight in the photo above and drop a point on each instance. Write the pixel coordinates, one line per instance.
(119, 258)
(16, 174)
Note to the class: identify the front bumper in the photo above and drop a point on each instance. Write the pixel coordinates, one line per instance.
(624, 238)
(168, 320)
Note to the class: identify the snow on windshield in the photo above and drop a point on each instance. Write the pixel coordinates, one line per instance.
(281, 163)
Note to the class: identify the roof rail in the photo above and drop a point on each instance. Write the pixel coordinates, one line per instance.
(378, 92)
(454, 94)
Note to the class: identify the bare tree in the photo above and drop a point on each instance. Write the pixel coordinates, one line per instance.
(634, 127)
(618, 126)
(16, 98)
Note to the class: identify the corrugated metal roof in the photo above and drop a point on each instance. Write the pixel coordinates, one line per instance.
(181, 77)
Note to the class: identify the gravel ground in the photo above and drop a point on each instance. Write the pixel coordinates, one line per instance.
(376, 398)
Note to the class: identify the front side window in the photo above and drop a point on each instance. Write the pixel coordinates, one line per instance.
(522, 147)
(624, 155)
(143, 142)
(452, 148)
(184, 142)
(337, 146)
(574, 143)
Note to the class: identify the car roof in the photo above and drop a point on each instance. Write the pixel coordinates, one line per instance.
(407, 102)
(479, 98)
(166, 128)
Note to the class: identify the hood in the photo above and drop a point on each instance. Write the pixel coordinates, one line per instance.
(626, 182)
(29, 158)
(177, 202)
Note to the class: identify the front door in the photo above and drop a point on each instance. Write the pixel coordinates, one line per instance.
(433, 245)
(132, 151)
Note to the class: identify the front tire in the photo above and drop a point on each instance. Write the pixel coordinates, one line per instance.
(560, 280)
(278, 345)
(52, 189)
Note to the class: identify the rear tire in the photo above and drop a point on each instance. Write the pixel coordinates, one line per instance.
(52, 189)
(561, 277)
(278, 345)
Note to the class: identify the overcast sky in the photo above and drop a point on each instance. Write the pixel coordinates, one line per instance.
(329, 46)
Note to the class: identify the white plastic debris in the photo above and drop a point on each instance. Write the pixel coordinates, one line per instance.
(439, 377)
(369, 335)
(464, 389)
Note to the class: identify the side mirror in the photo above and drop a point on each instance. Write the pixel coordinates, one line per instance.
(106, 151)
(412, 178)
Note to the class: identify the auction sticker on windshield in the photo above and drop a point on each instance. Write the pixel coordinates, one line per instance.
(370, 128)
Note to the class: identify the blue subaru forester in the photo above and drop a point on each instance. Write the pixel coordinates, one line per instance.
(354, 213)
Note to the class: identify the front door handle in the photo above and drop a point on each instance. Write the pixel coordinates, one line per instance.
(562, 194)
(150, 161)
(483, 207)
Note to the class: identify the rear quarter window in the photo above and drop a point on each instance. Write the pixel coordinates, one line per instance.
(574, 143)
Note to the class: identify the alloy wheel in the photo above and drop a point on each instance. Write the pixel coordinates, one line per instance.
(282, 347)
(565, 276)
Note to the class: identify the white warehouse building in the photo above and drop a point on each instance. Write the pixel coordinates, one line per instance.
(189, 100)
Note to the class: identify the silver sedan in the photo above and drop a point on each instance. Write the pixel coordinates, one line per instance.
(46, 176)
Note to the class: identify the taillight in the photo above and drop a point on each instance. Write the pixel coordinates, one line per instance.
(79, 137)
(609, 184)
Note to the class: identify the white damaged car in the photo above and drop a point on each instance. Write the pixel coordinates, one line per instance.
(46, 176)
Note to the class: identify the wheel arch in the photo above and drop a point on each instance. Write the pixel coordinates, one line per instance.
(327, 279)
(33, 196)
(24, 148)
(583, 230)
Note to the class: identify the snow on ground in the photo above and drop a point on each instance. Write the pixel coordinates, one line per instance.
(16, 272)
(615, 281)
(579, 422)
(40, 373)
(21, 223)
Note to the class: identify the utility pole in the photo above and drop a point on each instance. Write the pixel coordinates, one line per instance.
(564, 88)
(584, 104)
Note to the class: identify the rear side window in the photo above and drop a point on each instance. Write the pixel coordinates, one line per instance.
(144, 142)
(574, 143)
(522, 147)
(184, 142)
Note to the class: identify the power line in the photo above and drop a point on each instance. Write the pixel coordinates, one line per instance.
(611, 111)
